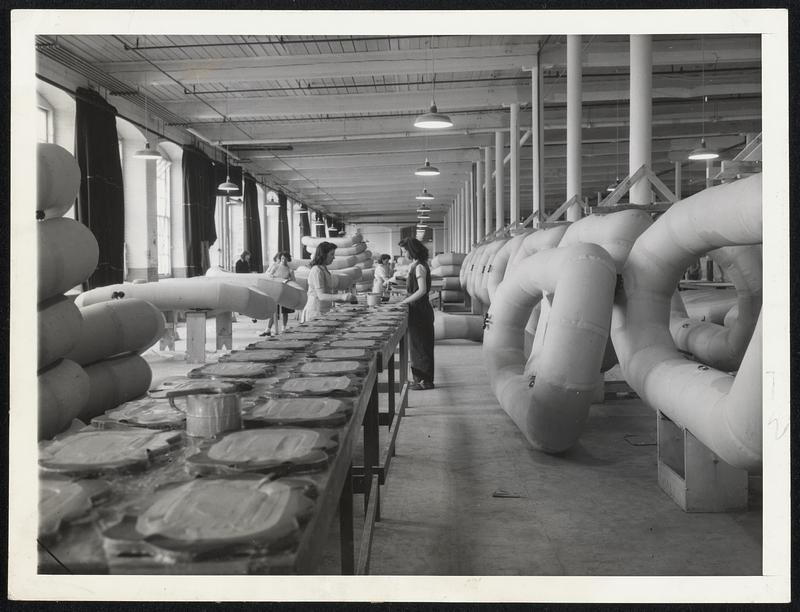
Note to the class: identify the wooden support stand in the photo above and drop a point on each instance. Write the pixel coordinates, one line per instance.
(224, 331)
(167, 341)
(195, 336)
(693, 476)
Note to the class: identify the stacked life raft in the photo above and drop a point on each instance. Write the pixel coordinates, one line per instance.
(447, 266)
(88, 358)
(352, 267)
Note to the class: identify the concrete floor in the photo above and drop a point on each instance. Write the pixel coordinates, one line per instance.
(595, 510)
(466, 495)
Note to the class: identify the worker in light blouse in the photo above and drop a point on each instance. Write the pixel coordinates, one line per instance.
(382, 274)
(321, 285)
(279, 270)
(420, 314)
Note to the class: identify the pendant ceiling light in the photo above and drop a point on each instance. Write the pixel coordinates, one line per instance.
(227, 185)
(433, 119)
(147, 152)
(425, 195)
(424, 208)
(702, 152)
(427, 170)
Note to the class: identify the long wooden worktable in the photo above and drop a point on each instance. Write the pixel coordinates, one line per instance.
(79, 547)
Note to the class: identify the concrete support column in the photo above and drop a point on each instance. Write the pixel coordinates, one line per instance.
(457, 209)
(488, 191)
(513, 143)
(480, 207)
(640, 143)
(574, 99)
(470, 213)
(537, 143)
(464, 220)
(473, 206)
(709, 173)
(678, 179)
(499, 212)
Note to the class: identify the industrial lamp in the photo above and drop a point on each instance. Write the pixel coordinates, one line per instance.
(433, 119)
(147, 152)
(227, 185)
(424, 208)
(702, 152)
(427, 170)
(425, 195)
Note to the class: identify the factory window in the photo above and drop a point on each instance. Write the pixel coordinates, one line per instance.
(44, 123)
(163, 221)
(235, 230)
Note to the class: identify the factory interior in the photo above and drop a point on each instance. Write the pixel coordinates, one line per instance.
(592, 208)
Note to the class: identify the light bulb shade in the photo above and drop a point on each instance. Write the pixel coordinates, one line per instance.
(612, 186)
(424, 208)
(433, 120)
(147, 153)
(427, 170)
(425, 195)
(227, 185)
(702, 152)
(421, 226)
(422, 216)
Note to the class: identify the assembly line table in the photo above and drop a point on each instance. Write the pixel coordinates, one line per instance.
(79, 550)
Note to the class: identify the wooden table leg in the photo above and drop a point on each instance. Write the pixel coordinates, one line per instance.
(195, 337)
(371, 442)
(224, 331)
(346, 544)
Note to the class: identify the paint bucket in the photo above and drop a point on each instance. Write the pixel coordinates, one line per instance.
(210, 414)
(373, 299)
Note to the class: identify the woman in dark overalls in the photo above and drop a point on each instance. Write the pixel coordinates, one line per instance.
(420, 314)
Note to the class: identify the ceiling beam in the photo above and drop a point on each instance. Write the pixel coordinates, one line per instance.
(218, 71)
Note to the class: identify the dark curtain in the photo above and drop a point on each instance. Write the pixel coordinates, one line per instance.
(101, 203)
(320, 229)
(305, 228)
(283, 223)
(199, 204)
(252, 224)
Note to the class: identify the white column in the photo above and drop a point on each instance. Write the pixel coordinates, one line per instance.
(470, 215)
(499, 149)
(479, 191)
(678, 179)
(640, 144)
(709, 173)
(537, 142)
(464, 220)
(488, 192)
(472, 207)
(456, 225)
(513, 142)
(574, 100)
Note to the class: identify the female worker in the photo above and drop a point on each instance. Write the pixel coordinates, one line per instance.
(279, 270)
(321, 285)
(420, 314)
(243, 263)
(382, 274)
